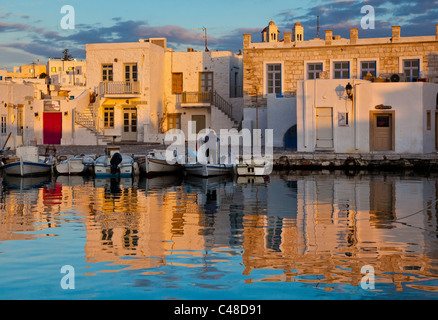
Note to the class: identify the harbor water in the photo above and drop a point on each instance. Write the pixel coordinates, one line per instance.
(293, 235)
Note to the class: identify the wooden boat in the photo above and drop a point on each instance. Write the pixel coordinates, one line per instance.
(78, 165)
(27, 162)
(208, 170)
(155, 163)
(115, 165)
(254, 169)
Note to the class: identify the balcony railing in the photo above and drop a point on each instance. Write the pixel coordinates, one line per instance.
(119, 87)
(197, 97)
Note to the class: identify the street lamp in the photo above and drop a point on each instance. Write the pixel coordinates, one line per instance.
(349, 91)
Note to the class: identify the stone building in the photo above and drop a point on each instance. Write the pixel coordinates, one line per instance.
(273, 68)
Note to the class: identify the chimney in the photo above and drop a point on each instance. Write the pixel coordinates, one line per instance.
(395, 33)
(246, 40)
(328, 37)
(287, 38)
(354, 35)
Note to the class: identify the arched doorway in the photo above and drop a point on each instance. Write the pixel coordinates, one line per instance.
(290, 138)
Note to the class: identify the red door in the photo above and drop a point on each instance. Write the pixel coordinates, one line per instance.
(52, 132)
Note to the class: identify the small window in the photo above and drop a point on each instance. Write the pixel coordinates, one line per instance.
(428, 119)
(313, 70)
(177, 83)
(341, 70)
(173, 121)
(107, 72)
(368, 67)
(108, 117)
(3, 124)
(274, 78)
(53, 69)
(382, 121)
(411, 68)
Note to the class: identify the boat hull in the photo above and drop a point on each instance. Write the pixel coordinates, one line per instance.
(27, 168)
(253, 169)
(73, 167)
(208, 170)
(152, 166)
(101, 171)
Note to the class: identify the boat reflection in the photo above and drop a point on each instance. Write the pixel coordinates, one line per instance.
(309, 227)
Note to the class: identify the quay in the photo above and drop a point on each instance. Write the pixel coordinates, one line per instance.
(288, 159)
(285, 159)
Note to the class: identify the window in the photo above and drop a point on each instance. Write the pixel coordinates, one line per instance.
(367, 67)
(177, 83)
(313, 70)
(411, 68)
(53, 69)
(131, 72)
(173, 121)
(205, 81)
(429, 120)
(108, 117)
(70, 68)
(274, 78)
(107, 72)
(341, 70)
(3, 125)
(1, 78)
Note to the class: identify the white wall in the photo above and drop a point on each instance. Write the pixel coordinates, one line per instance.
(408, 101)
(281, 116)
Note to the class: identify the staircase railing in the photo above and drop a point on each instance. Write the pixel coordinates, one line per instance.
(223, 105)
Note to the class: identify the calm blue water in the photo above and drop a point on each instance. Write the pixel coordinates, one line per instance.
(296, 235)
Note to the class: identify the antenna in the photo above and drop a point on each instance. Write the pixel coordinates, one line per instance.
(317, 27)
(205, 36)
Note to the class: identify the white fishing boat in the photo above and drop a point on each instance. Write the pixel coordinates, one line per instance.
(254, 169)
(208, 170)
(155, 163)
(27, 162)
(115, 165)
(77, 165)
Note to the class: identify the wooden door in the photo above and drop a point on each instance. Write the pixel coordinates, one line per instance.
(52, 127)
(129, 124)
(200, 122)
(324, 128)
(383, 132)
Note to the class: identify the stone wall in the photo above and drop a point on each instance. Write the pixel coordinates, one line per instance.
(293, 59)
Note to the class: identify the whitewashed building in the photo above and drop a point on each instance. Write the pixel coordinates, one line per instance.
(376, 117)
(66, 73)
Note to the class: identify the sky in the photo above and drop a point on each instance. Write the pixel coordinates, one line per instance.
(31, 30)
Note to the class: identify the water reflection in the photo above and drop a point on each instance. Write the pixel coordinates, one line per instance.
(317, 229)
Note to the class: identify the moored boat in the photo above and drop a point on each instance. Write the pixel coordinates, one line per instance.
(115, 165)
(77, 165)
(208, 170)
(155, 163)
(27, 162)
(254, 169)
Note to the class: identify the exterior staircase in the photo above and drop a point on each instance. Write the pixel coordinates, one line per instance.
(88, 120)
(226, 108)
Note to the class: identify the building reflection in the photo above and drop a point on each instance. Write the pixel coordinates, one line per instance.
(312, 227)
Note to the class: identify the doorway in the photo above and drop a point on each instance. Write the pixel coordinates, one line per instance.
(129, 124)
(290, 138)
(200, 122)
(52, 127)
(324, 128)
(382, 132)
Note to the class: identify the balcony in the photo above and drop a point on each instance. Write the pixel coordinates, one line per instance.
(121, 89)
(196, 99)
